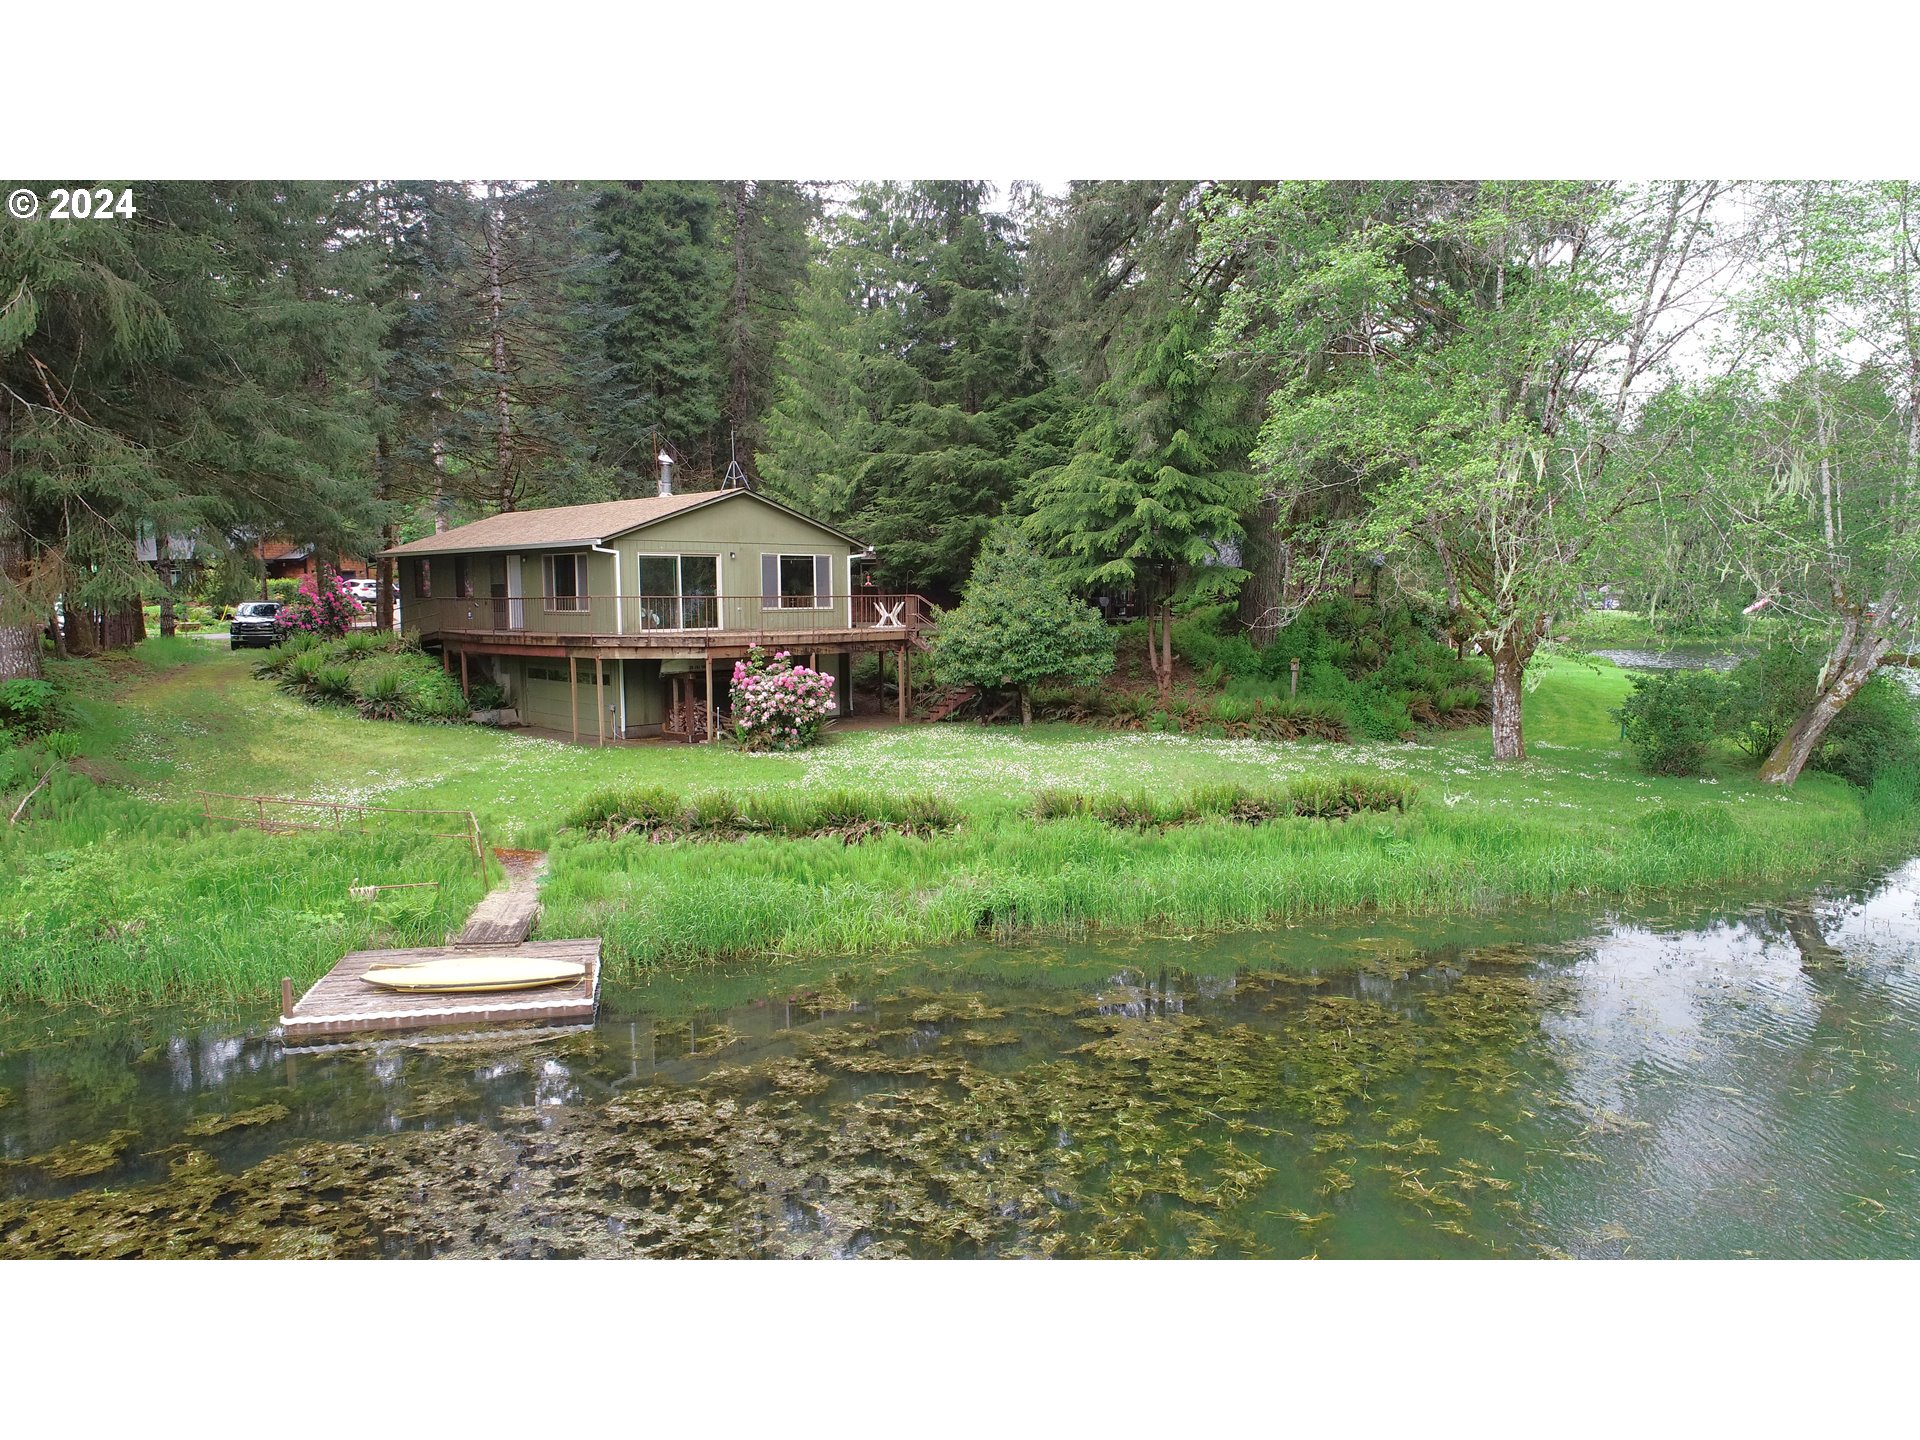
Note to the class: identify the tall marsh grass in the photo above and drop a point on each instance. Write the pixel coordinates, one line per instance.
(105, 897)
(848, 815)
(662, 908)
(1333, 797)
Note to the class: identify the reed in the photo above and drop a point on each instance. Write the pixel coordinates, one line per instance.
(851, 816)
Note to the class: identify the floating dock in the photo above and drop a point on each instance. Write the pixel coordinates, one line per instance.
(343, 1004)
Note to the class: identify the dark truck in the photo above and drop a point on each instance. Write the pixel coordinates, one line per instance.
(252, 624)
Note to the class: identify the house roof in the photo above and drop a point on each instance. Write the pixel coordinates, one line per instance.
(566, 526)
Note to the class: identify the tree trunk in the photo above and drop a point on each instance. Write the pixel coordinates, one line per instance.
(1509, 666)
(739, 351)
(1166, 651)
(19, 640)
(166, 600)
(389, 537)
(1263, 593)
(1846, 671)
(1160, 649)
(1026, 707)
(502, 379)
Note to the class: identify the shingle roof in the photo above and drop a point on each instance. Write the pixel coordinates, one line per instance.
(562, 525)
(567, 525)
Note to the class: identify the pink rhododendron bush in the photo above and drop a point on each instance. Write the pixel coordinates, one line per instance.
(778, 705)
(326, 610)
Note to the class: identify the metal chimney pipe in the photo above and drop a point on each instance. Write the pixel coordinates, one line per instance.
(666, 473)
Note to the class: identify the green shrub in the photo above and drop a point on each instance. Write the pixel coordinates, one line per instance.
(333, 685)
(29, 707)
(1762, 695)
(436, 695)
(382, 693)
(1671, 720)
(485, 695)
(301, 673)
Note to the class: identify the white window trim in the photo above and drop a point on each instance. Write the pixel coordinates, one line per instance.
(820, 602)
(576, 604)
(640, 557)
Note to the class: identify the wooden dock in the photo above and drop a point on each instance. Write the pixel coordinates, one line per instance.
(343, 1004)
(505, 916)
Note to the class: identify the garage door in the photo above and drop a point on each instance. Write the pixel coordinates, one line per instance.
(544, 700)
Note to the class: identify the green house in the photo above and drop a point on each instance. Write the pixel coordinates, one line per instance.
(623, 619)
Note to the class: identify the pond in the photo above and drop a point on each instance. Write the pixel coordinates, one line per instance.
(1672, 657)
(1688, 1079)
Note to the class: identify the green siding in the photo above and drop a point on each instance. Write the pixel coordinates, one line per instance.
(737, 531)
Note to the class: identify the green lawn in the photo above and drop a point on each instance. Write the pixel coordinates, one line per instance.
(228, 913)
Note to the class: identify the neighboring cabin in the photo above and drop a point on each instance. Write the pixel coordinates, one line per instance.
(657, 596)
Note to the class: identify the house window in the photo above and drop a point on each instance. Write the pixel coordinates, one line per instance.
(566, 582)
(800, 587)
(547, 672)
(679, 592)
(423, 579)
(462, 578)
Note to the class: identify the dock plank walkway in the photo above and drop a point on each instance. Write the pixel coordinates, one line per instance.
(341, 1003)
(505, 916)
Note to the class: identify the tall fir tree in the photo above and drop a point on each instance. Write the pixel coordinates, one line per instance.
(1153, 495)
(204, 367)
(926, 363)
(666, 285)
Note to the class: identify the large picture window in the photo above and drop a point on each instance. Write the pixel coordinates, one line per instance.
(679, 592)
(566, 582)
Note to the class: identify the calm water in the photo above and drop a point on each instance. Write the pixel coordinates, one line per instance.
(1694, 1081)
(1674, 657)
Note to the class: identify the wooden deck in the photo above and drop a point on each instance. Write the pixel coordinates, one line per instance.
(342, 1004)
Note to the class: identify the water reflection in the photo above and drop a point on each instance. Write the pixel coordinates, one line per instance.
(1714, 1081)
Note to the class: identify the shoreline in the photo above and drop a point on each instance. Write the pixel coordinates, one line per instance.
(112, 899)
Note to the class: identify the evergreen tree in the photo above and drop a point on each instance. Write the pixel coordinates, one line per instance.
(1156, 485)
(919, 396)
(1019, 625)
(813, 436)
(203, 367)
(514, 418)
(666, 287)
(768, 249)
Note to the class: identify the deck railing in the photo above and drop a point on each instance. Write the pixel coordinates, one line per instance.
(668, 618)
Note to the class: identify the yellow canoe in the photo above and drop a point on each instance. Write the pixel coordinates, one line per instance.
(468, 974)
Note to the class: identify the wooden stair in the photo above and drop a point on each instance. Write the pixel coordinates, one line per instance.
(951, 703)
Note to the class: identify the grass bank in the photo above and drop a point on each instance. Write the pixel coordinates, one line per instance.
(114, 889)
